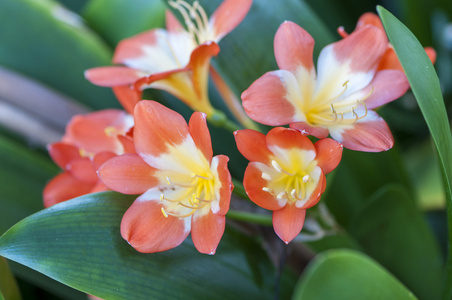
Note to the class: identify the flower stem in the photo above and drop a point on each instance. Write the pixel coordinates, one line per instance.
(259, 219)
(239, 190)
(219, 119)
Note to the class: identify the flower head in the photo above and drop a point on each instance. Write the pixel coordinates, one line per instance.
(183, 187)
(89, 141)
(339, 98)
(286, 173)
(176, 60)
(389, 59)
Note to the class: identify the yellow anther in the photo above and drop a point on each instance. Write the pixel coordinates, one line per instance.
(111, 131)
(168, 180)
(305, 178)
(276, 166)
(266, 176)
(266, 189)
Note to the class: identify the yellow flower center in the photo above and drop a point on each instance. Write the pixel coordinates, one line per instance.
(328, 111)
(293, 180)
(182, 198)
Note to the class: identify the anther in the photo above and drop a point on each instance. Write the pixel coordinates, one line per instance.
(266, 176)
(276, 166)
(305, 178)
(281, 195)
(266, 189)
(164, 212)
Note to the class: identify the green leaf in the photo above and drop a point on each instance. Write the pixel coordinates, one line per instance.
(392, 230)
(346, 274)
(45, 41)
(8, 285)
(23, 175)
(117, 19)
(78, 243)
(426, 88)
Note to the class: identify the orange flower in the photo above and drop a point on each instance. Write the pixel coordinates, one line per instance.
(389, 59)
(337, 99)
(286, 174)
(183, 187)
(89, 141)
(175, 60)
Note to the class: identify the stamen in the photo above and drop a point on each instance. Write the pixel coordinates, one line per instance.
(294, 195)
(281, 195)
(176, 215)
(305, 178)
(279, 169)
(164, 212)
(266, 189)
(200, 176)
(266, 176)
(110, 131)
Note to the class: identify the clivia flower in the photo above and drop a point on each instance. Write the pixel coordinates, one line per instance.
(389, 59)
(286, 173)
(339, 98)
(175, 60)
(89, 141)
(183, 187)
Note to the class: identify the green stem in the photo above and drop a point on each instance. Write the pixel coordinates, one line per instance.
(219, 119)
(239, 190)
(250, 217)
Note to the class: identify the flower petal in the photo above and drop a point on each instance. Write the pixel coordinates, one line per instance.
(112, 76)
(228, 16)
(350, 63)
(63, 187)
(89, 132)
(287, 138)
(370, 134)
(127, 96)
(288, 222)
(315, 195)
(62, 153)
(157, 128)
(82, 169)
(252, 145)
(147, 230)
(220, 165)
(294, 48)
(128, 174)
(200, 134)
(172, 23)
(100, 158)
(329, 154)
(271, 99)
(387, 86)
(306, 129)
(207, 231)
(254, 183)
(134, 46)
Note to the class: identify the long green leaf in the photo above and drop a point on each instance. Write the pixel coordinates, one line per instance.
(45, 41)
(426, 88)
(78, 243)
(392, 230)
(347, 274)
(117, 19)
(8, 286)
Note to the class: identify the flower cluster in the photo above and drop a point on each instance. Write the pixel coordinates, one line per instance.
(151, 151)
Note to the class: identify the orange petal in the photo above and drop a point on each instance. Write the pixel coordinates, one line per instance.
(288, 222)
(128, 174)
(306, 129)
(287, 138)
(207, 231)
(329, 154)
(253, 183)
(112, 76)
(127, 96)
(134, 47)
(157, 127)
(369, 19)
(293, 47)
(200, 134)
(228, 16)
(147, 230)
(63, 187)
(88, 132)
(172, 23)
(101, 158)
(318, 191)
(363, 49)
(62, 153)
(370, 134)
(252, 145)
(431, 53)
(386, 86)
(221, 163)
(127, 143)
(268, 100)
(82, 169)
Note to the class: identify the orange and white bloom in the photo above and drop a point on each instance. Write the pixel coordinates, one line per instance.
(337, 99)
(183, 187)
(176, 60)
(286, 173)
(389, 59)
(89, 141)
